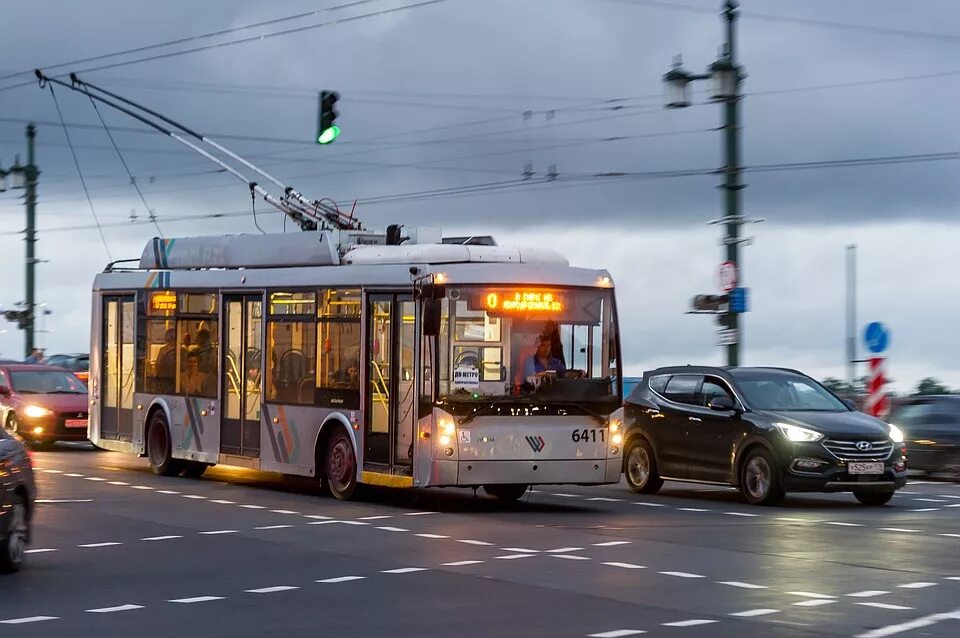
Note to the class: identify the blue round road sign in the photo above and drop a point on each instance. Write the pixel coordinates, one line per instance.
(877, 337)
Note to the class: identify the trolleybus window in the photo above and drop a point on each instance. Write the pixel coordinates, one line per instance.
(157, 358)
(292, 348)
(338, 335)
(198, 335)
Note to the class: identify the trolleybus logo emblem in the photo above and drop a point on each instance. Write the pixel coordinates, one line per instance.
(536, 442)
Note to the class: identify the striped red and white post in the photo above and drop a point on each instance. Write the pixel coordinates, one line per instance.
(877, 402)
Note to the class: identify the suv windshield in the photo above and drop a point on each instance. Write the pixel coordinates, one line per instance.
(46, 382)
(785, 391)
(528, 344)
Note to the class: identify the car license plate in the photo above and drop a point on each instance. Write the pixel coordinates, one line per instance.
(865, 468)
(76, 423)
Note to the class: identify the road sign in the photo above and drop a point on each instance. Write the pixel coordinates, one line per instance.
(877, 337)
(728, 276)
(738, 300)
(726, 337)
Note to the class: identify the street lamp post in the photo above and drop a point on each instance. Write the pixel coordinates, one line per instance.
(25, 177)
(726, 77)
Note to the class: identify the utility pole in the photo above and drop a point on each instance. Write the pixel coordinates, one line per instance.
(852, 314)
(26, 177)
(726, 77)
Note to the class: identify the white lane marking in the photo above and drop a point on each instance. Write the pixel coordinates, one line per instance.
(693, 509)
(341, 579)
(114, 482)
(196, 599)
(472, 542)
(271, 590)
(461, 563)
(561, 494)
(688, 623)
(141, 487)
(741, 514)
(817, 602)
(405, 570)
(319, 517)
(273, 527)
(160, 538)
(605, 499)
(215, 532)
(927, 509)
(99, 544)
(171, 492)
(611, 543)
(564, 550)
(432, 536)
(571, 556)
(53, 471)
(27, 619)
(374, 518)
(792, 519)
(223, 501)
(514, 556)
(842, 524)
(952, 578)
(919, 585)
(625, 565)
(929, 500)
(348, 523)
(64, 500)
(520, 550)
(681, 574)
(868, 594)
(953, 505)
(734, 583)
(617, 633)
(195, 497)
(43, 550)
(810, 594)
(420, 513)
(284, 512)
(917, 623)
(387, 528)
(323, 522)
(884, 606)
(905, 492)
(649, 504)
(95, 478)
(900, 529)
(253, 507)
(73, 475)
(950, 535)
(110, 610)
(750, 613)
(947, 496)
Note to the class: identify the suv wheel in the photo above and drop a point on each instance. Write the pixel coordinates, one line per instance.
(12, 546)
(760, 479)
(640, 467)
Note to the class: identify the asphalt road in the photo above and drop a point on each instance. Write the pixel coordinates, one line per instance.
(118, 551)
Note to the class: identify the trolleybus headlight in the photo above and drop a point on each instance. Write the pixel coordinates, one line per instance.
(615, 425)
(616, 439)
(444, 439)
(446, 426)
(35, 411)
(38, 430)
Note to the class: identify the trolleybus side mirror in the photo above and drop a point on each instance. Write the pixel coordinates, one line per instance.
(431, 317)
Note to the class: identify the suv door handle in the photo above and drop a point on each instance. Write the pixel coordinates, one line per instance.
(693, 418)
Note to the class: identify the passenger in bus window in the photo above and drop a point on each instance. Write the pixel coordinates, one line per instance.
(193, 379)
(207, 353)
(542, 361)
(167, 363)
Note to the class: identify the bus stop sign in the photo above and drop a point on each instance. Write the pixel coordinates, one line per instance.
(877, 337)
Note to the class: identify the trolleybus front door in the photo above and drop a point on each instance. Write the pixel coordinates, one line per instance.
(117, 368)
(242, 375)
(390, 409)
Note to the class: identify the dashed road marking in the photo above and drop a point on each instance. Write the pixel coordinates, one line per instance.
(611, 543)
(693, 509)
(930, 500)
(92, 545)
(284, 512)
(473, 542)
(273, 527)
(564, 550)
(53, 471)
(115, 482)
(681, 574)
(950, 535)
(393, 529)
(520, 550)
(196, 599)
(73, 475)
(900, 529)
(171, 492)
(319, 517)
(160, 538)
(868, 594)
(405, 570)
(617, 633)
(461, 563)
(918, 585)
(750, 613)
(95, 478)
(816, 602)
(842, 524)
(27, 619)
(142, 487)
(216, 532)
(110, 610)
(341, 579)
(926, 509)
(746, 514)
(649, 504)
(571, 556)
(223, 501)
(917, 623)
(605, 499)
(432, 536)
(253, 507)
(734, 583)
(810, 594)
(885, 606)
(271, 590)
(562, 495)
(374, 518)
(514, 556)
(625, 565)
(688, 623)
(420, 513)
(42, 550)
(195, 497)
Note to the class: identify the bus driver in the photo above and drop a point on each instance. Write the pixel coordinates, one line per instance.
(542, 361)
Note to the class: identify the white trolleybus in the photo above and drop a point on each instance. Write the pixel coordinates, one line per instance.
(318, 354)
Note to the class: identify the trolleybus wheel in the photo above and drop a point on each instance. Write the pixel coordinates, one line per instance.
(341, 466)
(506, 492)
(159, 450)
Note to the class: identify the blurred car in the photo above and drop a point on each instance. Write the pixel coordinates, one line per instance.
(932, 428)
(17, 497)
(767, 431)
(78, 363)
(43, 404)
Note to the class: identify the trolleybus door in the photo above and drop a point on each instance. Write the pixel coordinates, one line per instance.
(242, 375)
(390, 413)
(117, 368)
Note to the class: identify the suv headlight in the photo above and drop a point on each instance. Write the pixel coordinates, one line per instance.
(36, 412)
(798, 434)
(896, 434)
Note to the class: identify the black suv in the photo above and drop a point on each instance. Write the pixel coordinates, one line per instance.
(766, 430)
(932, 426)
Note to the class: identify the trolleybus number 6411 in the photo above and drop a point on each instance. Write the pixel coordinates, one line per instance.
(588, 435)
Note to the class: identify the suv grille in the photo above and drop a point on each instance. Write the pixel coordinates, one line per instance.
(848, 450)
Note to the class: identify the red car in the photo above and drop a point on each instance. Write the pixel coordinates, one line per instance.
(43, 404)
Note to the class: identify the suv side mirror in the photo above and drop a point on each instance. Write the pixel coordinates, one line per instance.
(721, 404)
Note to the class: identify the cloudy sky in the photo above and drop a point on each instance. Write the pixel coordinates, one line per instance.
(434, 97)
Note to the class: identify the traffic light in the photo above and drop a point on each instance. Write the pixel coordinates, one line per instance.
(326, 130)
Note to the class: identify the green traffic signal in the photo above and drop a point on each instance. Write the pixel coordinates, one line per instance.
(328, 135)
